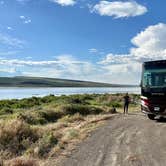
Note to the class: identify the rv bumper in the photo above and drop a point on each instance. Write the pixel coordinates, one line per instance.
(147, 110)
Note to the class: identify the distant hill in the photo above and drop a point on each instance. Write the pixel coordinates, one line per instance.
(21, 81)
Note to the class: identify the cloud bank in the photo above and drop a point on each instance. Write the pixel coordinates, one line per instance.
(150, 44)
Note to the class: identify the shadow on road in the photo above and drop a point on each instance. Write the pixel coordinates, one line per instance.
(161, 120)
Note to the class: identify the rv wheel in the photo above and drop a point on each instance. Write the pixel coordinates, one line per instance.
(151, 116)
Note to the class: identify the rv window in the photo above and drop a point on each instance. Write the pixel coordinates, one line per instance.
(154, 78)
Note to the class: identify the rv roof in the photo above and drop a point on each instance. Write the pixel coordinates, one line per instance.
(155, 62)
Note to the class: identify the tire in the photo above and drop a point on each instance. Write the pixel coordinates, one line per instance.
(151, 116)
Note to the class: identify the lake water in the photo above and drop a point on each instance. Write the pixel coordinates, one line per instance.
(19, 93)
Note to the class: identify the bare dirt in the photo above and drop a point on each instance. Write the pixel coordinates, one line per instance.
(130, 140)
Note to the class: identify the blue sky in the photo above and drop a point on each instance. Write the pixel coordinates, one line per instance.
(103, 41)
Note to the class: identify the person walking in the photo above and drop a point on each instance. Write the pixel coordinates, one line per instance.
(126, 103)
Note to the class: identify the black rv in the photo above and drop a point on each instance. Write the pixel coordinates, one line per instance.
(153, 89)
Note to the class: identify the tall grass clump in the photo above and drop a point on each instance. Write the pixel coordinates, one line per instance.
(45, 144)
(31, 118)
(16, 136)
(73, 118)
(41, 116)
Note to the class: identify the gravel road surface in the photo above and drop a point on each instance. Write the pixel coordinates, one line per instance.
(130, 140)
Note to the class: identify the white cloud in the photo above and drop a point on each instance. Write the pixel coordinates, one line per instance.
(9, 28)
(59, 61)
(93, 50)
(115, 59)
(25, 20)
(121, 68)
(119, 9)
(96, 51)
(64, 66)
(11, 41)
(22, 17)
(150, 43)
(64, 2)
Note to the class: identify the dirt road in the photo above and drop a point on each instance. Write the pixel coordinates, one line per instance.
(131, 140)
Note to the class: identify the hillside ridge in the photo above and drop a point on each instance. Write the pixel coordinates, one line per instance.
(23, 81)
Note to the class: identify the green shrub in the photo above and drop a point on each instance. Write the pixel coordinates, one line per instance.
(71, 109)
(71, 134)
(6, 110)
(46, 143)
(31, 118)
(78, 99)
(50, 115)
(48, 99)
(114, 104)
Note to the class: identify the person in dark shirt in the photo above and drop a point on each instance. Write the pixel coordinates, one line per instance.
(126, 103)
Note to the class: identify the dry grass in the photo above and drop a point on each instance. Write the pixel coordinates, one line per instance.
(70, 119)
(22, 162)
(15, 137)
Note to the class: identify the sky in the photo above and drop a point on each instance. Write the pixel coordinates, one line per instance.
(94, 40)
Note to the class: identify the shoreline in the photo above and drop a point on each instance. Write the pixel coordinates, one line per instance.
(20, 93)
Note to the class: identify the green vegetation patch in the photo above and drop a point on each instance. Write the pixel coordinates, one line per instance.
(71, 109)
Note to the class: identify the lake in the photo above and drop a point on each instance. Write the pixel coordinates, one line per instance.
(19, 93)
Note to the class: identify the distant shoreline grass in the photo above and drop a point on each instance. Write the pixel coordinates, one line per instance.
(37, 128)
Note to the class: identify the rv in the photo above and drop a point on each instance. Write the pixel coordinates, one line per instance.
(153, 89)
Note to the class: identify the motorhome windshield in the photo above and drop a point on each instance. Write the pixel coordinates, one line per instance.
(154, 78)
